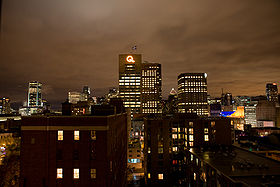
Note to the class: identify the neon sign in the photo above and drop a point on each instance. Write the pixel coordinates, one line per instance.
(130, 59)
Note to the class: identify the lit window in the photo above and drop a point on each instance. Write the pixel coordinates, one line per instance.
(191, 130)
(59, 174)
(76, 135)
(149, 175)
(93, 173)
(191, 157)
(191, 144)
(174, 136)
(160, 150)
(212, 123)
(160, 176)
(206, 138)
(174, 148)
(205, 130)
(93, 135)
(149, 150)
(191, 138)
(76, 174)
(60, 135)
(194, 176)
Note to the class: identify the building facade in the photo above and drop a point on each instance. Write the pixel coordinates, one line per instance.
(250, 117)
(74, 97)
(151, 92)
(35, 94)
(5, 107)
(74, 151)
(272, 92)
(192, 93)
(130, 81)
(166, 140)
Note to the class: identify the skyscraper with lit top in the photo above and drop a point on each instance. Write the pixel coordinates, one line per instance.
(192, 93)
(151, 93)
(130, 81)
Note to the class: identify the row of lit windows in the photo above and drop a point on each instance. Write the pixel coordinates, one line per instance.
(132, 80)
(149, 72)
(76, 173)
(193, 77)
(76, 135)
(128, 77)
(127, 84)
(133, 103)
(160, 176)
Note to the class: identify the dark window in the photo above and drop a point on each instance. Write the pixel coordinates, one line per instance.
(92, 151)
(76, 155)
(59, 154)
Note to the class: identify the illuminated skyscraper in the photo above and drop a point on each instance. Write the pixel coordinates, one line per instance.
(272, 92)
(151, 93)
(192, 93)
(34, 94)
(130, 80)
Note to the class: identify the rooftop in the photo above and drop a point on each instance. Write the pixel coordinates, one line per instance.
(241, 165)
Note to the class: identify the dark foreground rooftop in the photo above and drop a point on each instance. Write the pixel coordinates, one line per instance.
(242, 165)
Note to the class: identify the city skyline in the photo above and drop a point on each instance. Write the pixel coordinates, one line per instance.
(238, 47)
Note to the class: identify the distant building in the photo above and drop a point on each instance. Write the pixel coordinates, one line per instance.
(227, 99)
(151, 93)
(5, 107)
(74, 151)
(166, 140)
(272, 92)
(215, 109)
(35, 94)
(74, 97)
(192, 93)
(134, 155)
(265, 111)
(250, 116)
(170, 106)
(130, 81)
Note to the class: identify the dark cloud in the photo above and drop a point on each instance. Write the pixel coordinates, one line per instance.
(66, 44)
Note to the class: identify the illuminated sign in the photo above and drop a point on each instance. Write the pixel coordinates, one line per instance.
(130, 59)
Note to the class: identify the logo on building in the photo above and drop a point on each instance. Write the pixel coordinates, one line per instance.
(130, 59)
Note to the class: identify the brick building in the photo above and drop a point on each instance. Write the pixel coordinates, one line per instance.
(168, 138)
(74, 151)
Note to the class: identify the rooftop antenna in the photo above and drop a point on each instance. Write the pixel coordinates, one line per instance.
(134, 49)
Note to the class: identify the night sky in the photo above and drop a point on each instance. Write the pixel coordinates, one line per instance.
(66, 44)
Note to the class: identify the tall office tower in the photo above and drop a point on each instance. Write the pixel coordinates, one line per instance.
(5, 107)
(272, 92)
(74, 97)
(86, 93)
(227, 99)
(35, 94)
(130, 80)
(192, 93)
(151, 93)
